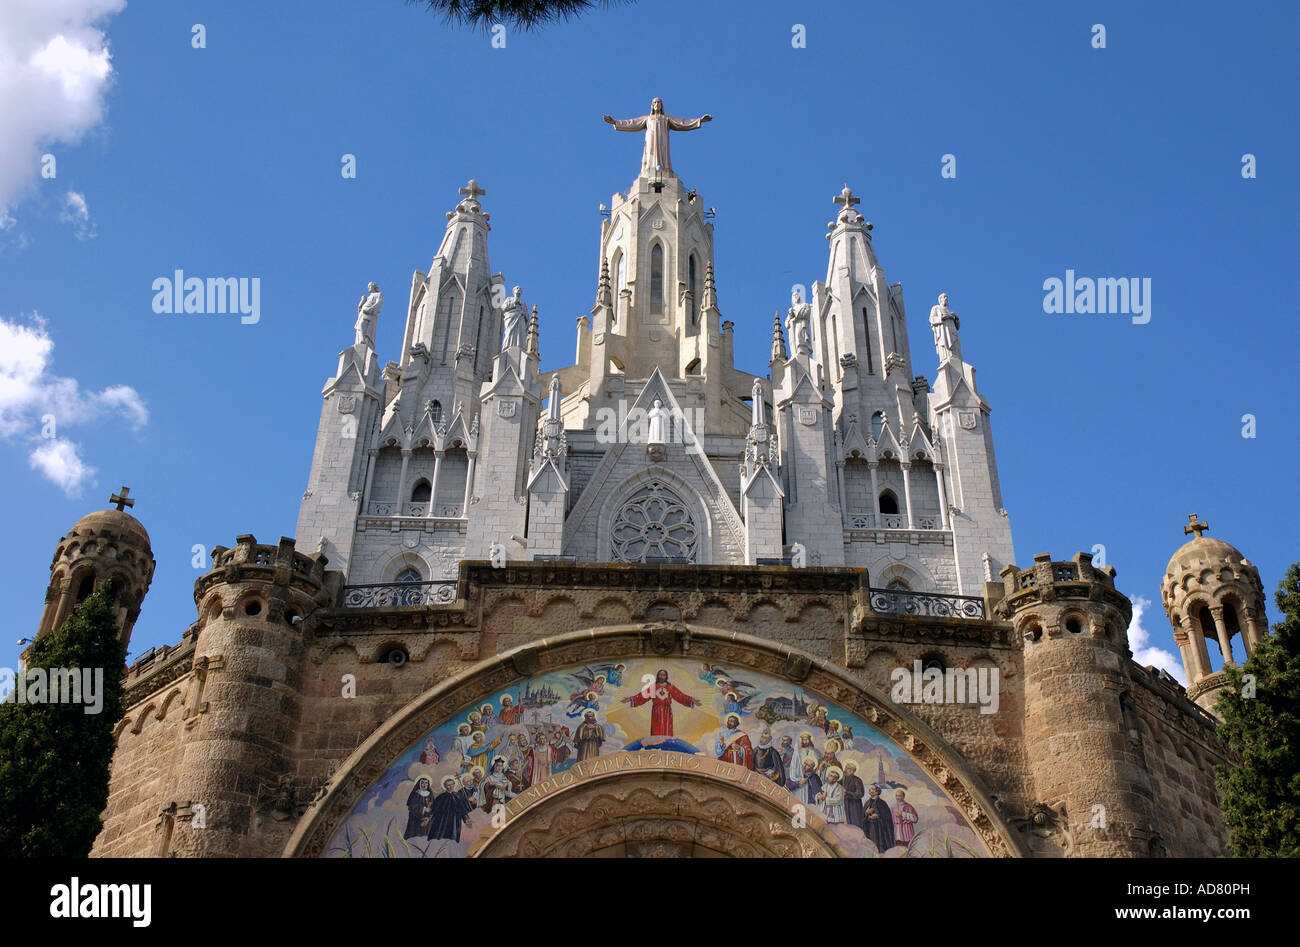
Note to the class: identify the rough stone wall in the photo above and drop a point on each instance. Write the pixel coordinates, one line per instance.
(142, 775)
(1181, 751)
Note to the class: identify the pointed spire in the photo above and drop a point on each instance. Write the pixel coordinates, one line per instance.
(530, 346)
(553, 406)
(779, 353)
(709, 300)
(604, 295)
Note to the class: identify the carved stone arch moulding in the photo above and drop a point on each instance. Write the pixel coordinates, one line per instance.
(659, 804)
(612, 741)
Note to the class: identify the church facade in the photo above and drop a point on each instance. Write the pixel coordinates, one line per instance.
(651, 603)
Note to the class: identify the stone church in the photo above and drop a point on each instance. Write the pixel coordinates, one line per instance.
(651, 603)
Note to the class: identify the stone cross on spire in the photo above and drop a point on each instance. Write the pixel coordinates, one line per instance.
(469, 203)
(1195, 527)
(122, 500)
(846, 197)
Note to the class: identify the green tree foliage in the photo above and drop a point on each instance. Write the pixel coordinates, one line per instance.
(521, 14)
(54, 757)
(1260, 798)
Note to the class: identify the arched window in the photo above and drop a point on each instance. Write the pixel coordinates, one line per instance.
(888, 502)
(866, 338)
(447, 312)
(654, 524)
(435, 412)
(86, 587)
(620, 283)
(657, 279)
(422, 492)
(693, 368)
(410, 574)
(877, 425)
(691, 276)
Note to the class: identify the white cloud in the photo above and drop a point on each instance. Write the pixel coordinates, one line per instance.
(60, 461)
(36, 406)
(55, 68)
(1139, 642)
(77, 212)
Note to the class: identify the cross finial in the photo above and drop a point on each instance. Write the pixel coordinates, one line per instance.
(472, 189)
(846, 197)
(1195, 527)
(124, 499)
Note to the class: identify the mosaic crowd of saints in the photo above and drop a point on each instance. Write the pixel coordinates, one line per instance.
(440, 796)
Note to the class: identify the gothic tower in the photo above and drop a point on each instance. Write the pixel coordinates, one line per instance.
(1211, 592)
(392, 483)
(910, 471)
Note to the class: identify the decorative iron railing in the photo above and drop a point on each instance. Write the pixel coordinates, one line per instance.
(929, 604)
(398, 594)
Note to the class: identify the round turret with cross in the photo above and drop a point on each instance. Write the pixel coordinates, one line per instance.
(1211, 592)
(104, 546)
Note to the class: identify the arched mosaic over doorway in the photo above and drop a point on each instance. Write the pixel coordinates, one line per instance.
(652, 525)
(568, 726)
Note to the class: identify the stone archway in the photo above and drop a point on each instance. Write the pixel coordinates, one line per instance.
(620, 781)
(657, 805)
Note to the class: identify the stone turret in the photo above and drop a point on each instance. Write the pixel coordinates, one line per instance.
(243, 703)
(104, 546)
(1211, 592)
(1081, 725)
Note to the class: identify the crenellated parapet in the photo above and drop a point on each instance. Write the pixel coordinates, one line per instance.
(289, 573)
(1056, 599)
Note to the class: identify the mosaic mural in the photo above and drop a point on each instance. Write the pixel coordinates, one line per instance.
(437, 800)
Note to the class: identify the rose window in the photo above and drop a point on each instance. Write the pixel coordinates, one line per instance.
(653, 524)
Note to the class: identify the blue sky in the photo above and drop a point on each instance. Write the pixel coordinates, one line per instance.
(225, 161)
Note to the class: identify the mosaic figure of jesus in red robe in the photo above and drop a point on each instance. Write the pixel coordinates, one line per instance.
(661, 699)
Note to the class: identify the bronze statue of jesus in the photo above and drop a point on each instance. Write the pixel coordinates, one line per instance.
(657, 125)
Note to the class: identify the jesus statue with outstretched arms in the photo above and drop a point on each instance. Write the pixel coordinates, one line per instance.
(657, 125)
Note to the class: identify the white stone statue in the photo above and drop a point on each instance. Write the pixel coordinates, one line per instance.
(757, 416)
(497, 556)
(798, 556)
(945, 324)
(657, 125)
(800, 315)
(368, 314)
(515, 320)
(657, 428)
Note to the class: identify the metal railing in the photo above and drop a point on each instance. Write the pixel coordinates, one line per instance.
(398, 594)
(929, 604)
